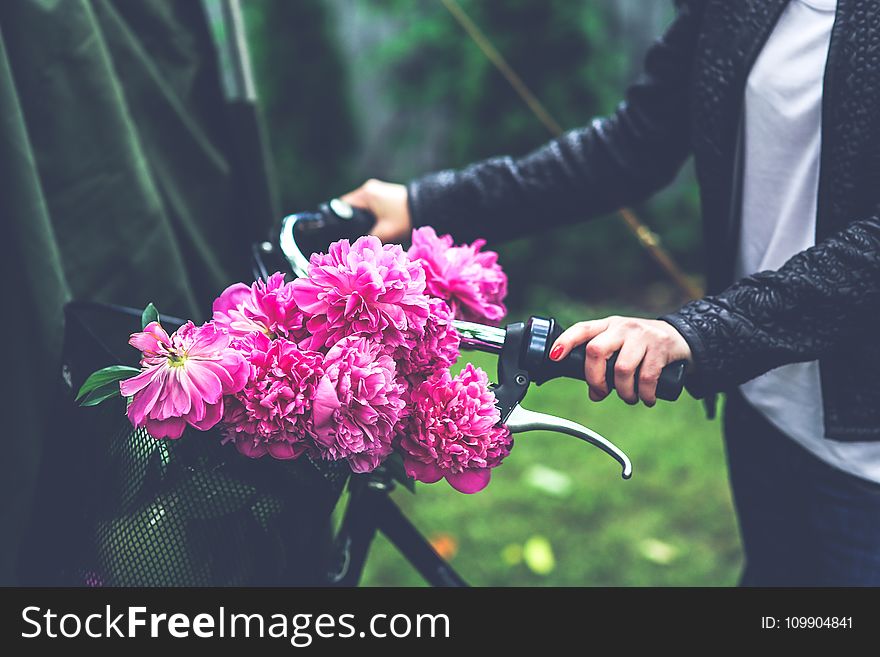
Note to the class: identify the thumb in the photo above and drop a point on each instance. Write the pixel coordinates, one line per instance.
(357, 197)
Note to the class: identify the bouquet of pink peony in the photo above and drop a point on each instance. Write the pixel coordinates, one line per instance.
(351, 362)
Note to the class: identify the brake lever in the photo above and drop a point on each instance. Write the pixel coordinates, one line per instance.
(513, 345)
(522, 419)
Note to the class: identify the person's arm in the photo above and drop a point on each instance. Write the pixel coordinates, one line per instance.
(798, 313)
(615, 161)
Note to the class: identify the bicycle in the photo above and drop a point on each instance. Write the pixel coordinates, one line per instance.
(193, 512)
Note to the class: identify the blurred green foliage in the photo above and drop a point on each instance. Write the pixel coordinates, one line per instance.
(558, 48)
(574, 56)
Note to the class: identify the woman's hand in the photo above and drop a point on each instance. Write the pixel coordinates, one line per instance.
(646, 346)
(388, 201)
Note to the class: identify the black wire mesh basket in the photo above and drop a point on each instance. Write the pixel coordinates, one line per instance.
(117, 507)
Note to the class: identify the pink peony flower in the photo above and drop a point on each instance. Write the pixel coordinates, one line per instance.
(183, 379)
(266, 307)
(272, 413)
(343, 364)
(452, 431)
(471, 282)
(357, 404)
(433, 348)
(363, 288)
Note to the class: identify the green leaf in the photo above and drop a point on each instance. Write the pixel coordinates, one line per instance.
(101, 394)
(396, 469)
(107, 375)
(150, 314)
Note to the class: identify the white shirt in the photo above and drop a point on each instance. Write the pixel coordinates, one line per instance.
(783, 139)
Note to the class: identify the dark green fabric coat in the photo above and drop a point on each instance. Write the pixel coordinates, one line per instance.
(118, 185)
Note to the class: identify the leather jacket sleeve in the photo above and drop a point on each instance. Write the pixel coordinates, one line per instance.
(801, 312)
(618, 160)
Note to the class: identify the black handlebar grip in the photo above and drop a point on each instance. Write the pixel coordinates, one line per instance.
(669, 385)
(361, 222)
(334, 220)
(543, 333)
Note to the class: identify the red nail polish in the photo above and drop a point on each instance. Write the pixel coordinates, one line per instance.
(556, 352)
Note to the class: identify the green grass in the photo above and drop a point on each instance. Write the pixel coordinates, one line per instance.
(672, 524)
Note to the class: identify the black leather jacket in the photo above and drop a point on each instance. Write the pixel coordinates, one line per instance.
(824, 303)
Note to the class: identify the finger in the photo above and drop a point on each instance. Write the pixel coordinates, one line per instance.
(649, 374)
(576, 335)
(631, 354)
(599, 350)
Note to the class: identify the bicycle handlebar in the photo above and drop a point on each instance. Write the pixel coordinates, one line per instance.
(523, 349)
(540, 334)
(545, 332)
